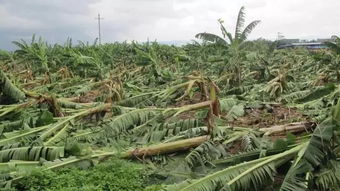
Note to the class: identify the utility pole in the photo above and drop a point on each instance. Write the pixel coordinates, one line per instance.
(280, 36)
(99, 35)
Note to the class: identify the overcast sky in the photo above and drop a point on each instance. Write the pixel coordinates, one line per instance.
(164, 20)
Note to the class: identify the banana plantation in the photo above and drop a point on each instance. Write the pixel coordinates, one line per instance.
(219, 113)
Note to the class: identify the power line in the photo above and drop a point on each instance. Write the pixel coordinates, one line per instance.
(99, 35)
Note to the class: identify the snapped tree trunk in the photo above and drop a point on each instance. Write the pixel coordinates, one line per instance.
(163, 148)
(291, 127)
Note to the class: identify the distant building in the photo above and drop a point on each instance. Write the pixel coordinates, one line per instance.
(288, 41)
(297, 43)
(307, 45)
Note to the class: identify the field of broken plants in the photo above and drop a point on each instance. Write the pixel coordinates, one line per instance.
(195, 117)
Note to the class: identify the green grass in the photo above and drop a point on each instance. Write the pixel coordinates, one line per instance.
(115, 174)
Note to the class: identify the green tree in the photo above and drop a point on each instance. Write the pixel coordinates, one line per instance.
(227, 39)
(234, 44)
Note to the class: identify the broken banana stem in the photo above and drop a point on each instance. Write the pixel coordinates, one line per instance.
(171, 147)
(291, 127)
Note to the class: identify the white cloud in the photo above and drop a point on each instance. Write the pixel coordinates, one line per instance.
(164, 20)
(14, 22)
(298, 18)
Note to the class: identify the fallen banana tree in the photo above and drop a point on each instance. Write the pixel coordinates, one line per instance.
(304, 159)
(291, 127)
(10, 93)
(68, 105)
(64, 123)
(152, 150)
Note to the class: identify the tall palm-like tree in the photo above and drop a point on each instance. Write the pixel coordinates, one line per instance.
(227, 39)
(234, 45)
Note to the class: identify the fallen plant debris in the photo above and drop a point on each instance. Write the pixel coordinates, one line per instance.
(224, 114)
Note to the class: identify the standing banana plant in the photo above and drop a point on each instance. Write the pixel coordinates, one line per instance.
(35, 52)
(233, 43)
(227, 39)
